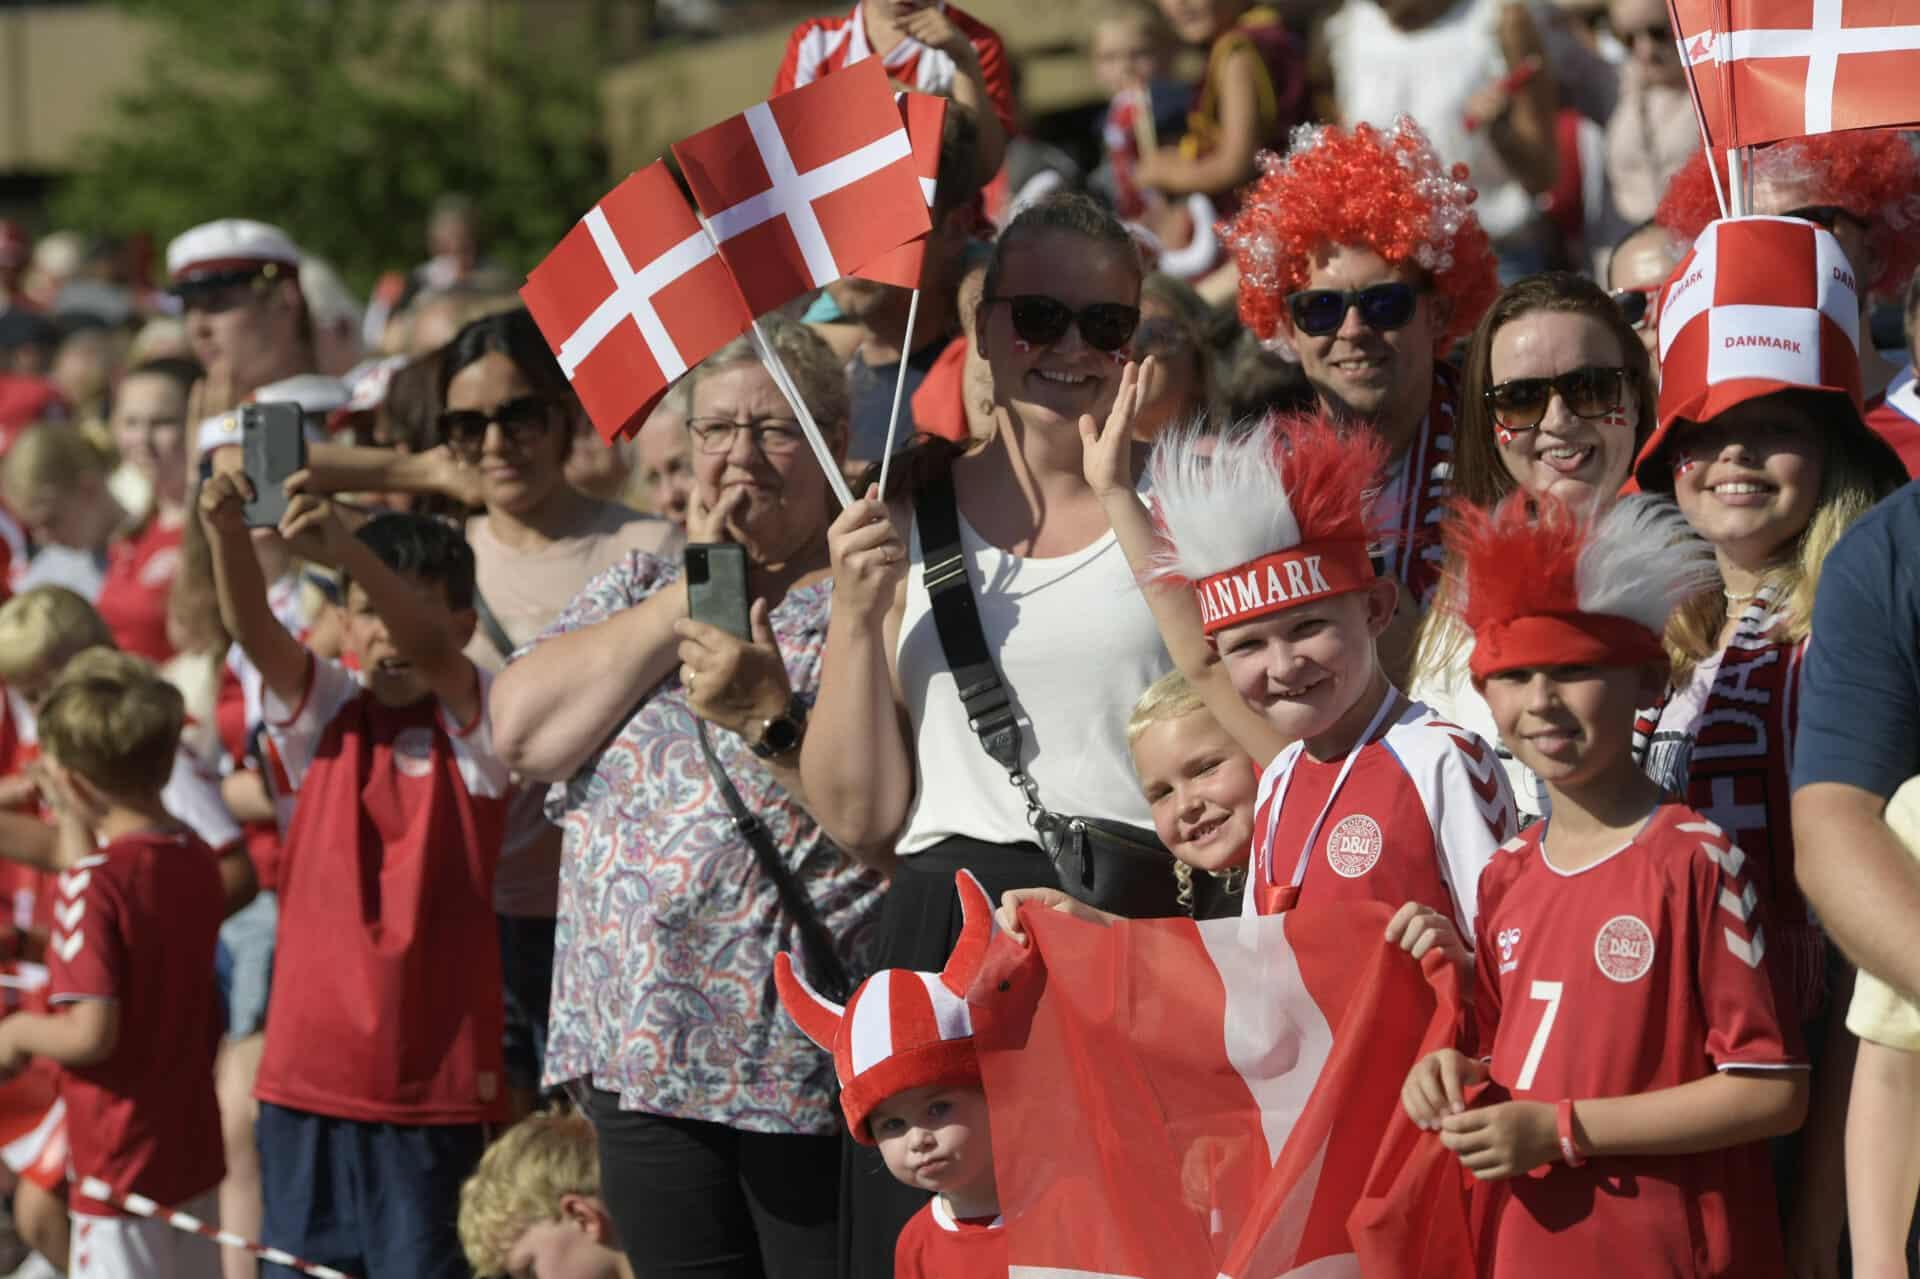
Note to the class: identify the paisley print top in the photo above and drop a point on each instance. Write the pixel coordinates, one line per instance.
(663, 959)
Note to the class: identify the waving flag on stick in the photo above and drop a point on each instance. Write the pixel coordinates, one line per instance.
(1765, 70)
(633, 297)
(809, 186)
(925, 115)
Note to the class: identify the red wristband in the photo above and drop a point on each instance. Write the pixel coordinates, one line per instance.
(1569, 1148)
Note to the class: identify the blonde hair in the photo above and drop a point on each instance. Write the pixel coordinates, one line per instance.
(519, 1182)
(45, 627)
(50, 459)
(114, 721)
(1849, 488)
(1168, 698)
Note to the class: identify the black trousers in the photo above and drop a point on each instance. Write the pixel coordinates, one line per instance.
(919, 923)
(695, 1199)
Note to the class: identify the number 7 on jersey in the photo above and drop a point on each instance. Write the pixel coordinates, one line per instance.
(1548, 991)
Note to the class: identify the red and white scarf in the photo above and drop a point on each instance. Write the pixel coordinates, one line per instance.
(1413, 501)
(1732, 762)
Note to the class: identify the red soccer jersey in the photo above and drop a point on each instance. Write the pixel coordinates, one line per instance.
(388, 953)
(137, 923)
(1895, 418)
(1420, 812)
(821, 46)
(1643, 971)
(133, 598)
(934, 1244)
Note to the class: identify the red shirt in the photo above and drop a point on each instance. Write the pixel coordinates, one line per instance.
(821, 46)
(133, 598)
(1417, 818)
(934, 1244)
(137, 923)
(1895, 418)
(1640, 972)
(388, 954)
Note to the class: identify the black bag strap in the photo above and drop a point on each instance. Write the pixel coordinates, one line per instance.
(496, 633)
(824, 969)
(956, 619)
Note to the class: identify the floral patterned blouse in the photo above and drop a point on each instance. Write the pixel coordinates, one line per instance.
(663, 959)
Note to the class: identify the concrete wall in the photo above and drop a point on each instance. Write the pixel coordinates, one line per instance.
(60, 68)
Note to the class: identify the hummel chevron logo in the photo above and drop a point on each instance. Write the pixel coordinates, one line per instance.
(67, 945)
(1728, 859)
(68, 916)
(74, 882)
(1748, 953)
(1740, 907)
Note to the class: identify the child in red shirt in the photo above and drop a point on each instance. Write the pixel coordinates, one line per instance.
(135, 1018)
(1623, 1002)
(910, 1084)
(387, 951)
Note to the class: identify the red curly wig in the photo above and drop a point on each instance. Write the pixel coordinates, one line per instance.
(1383, 190)
(1872, 172)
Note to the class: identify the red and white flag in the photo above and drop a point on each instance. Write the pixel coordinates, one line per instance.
(926, 118)
(1174, 1100)
(633, 297)
(1772, 69)
(808, 186)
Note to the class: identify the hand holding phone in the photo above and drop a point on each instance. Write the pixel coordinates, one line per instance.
(273, 442)
(717, 587)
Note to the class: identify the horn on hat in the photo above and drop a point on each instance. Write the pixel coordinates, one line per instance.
(815, 1014)
(976, 930)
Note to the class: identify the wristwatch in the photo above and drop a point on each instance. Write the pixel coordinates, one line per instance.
(781, 735)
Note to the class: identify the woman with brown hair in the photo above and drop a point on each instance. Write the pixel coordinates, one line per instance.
(1558, 395)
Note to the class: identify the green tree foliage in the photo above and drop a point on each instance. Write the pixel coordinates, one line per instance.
(342, 121)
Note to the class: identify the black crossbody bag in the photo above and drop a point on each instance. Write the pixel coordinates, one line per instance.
(1114, 866)
(821, 963)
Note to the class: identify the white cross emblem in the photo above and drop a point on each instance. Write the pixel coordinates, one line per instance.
(632, 297)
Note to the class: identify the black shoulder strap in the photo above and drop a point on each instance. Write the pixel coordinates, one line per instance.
(956, 618)
(496, 633)
(823, 967)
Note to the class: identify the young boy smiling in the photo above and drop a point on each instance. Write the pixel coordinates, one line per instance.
(1622, 1001)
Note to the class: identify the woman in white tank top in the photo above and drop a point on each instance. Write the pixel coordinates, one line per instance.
(892, 770)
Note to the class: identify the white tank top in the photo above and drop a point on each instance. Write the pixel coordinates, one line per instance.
(1076, 644)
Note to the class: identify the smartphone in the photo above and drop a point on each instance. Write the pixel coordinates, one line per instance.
(273, 443)
(717, 586)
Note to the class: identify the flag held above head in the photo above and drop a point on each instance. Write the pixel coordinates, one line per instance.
(809, 186)
(901, 1029)
(1764, 70)
(631, 298)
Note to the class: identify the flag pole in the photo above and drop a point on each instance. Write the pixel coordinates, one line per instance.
(899, 387)
(777, 370)
(1699, 113)
(1740, 202)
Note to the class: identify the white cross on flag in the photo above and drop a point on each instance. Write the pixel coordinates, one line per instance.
(1773, 69)
(926, 117)
(809, 186)
(633, 297)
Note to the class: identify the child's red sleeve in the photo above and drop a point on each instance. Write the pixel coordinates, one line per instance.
(1737, 992)
(784, 80)
(994, 72)
(86, 952)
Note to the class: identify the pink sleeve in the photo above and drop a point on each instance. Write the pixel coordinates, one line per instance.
(1730, 970)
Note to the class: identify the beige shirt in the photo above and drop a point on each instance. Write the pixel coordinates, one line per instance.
(1651, 134)
(526, 591)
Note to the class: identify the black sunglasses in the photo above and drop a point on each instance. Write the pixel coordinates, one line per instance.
(1519, 403)
(1041, 320)
(1829, 216)
(220, 291)
(1318, 312)
(1639, 307)
(522, 419)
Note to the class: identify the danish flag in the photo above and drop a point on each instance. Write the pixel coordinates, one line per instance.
(926, 118)
(1771, 69)
(808, 186)
(631, 298)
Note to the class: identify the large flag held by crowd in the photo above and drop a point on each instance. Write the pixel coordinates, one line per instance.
(1187, 1100)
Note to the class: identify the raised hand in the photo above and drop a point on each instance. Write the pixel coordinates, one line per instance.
(869, 559)
(1106, 452)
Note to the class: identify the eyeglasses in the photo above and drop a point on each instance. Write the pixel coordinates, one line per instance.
(522, 420)
(1829, 216)
(1519, 403)
(1639, 305)
(1041, 320)
(220, 291)
(773, 436)
(1318, 312)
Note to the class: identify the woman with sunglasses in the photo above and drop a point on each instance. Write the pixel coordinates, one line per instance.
(893, 769)
(714, 1114)
(1559, 396)
(1862, 186)
(1770, 461)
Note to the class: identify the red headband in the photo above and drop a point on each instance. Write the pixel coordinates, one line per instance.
(1282, 580)
(1562, 639)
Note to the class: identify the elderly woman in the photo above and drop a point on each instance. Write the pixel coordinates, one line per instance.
(1558, 397)
(714, 1114)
